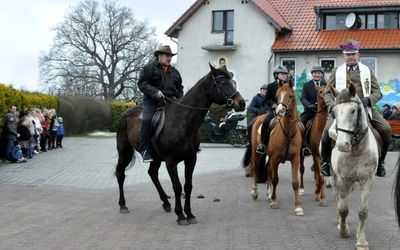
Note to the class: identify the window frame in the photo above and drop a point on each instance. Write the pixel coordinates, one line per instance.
(226, 25)
(324, 60)
(374, 67)
(291, 68)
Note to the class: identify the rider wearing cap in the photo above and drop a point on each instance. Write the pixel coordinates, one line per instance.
(258, 106)
(158, 80)
(309, 100)
(280, 73)
(368, 91)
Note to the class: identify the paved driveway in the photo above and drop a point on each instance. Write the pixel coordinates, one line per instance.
(68, 199)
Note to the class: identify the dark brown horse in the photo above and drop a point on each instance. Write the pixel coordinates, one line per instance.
(313, 138)
(178, 140)
(284, 144)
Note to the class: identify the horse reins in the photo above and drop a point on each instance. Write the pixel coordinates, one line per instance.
(229, 100)
(358, 134)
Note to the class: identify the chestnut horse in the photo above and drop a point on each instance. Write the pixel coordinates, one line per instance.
(317, 127)
(284, 144)
(178, 140)
(354, 159)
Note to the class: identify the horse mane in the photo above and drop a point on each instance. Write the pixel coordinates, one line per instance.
(343, 96)
(221, 71)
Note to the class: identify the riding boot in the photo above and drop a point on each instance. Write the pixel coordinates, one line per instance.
(264, 139)
(381, 171)
(326, 150)
(305, 151)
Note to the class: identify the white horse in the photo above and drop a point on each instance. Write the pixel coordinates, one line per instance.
(354, 159)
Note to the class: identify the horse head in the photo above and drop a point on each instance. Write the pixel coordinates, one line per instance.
(286, 98)
(224, 92)
(351, 118)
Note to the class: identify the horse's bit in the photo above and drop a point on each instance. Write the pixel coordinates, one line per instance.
(229, 100)
(357, 134)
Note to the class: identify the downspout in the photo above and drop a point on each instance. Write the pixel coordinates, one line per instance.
(269, 65)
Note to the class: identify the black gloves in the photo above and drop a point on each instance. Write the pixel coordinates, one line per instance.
(366, 102)
(311, 107)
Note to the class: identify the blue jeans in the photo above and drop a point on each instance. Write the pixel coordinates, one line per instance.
(10, 144)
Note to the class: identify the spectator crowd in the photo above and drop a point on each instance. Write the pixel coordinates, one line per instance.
(30, 132)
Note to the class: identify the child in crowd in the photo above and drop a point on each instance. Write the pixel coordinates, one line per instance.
(25, 137)
(60, 132)
(16, 153)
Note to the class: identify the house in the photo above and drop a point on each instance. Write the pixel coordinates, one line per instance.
(254, 36)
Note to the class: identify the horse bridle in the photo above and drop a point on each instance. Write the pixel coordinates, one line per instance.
(357, 134)
(229, 100)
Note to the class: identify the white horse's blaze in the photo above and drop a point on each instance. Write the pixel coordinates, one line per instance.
(280, 109)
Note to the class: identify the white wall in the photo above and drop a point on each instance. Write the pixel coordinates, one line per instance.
(253, 37)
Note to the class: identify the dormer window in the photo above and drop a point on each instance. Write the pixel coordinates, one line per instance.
(375, 17)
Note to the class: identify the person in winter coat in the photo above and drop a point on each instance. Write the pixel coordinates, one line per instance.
(158, 81)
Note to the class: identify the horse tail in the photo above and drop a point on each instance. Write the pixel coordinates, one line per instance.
(126, 153)
(247, 156)
(397, 191)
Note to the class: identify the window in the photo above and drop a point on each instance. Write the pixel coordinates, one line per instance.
(290, 64)
(328, 64)
(382, 17)
(330, 22)
(370, 62)
(223, 22)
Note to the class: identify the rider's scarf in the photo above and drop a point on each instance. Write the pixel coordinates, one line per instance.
(365, 78)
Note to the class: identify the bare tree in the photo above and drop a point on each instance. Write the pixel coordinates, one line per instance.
(98, 50)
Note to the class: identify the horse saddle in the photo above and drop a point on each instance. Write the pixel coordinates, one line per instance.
(157, 122)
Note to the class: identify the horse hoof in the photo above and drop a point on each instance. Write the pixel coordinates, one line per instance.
(254, 195)
(362, 246)
(183, 222)
(299, 211)
(167, 208)
(343, 233)
(192, 220)
(323, 204)
(274, 206)
(124, 210)
(301, 192)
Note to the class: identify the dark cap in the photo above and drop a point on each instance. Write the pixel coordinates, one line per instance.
(350, 46)
(164, 50)
(386, 105)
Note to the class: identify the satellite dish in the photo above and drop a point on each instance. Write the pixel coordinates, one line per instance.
(350, 20)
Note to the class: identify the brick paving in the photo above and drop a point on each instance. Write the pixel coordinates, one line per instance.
(68, 199)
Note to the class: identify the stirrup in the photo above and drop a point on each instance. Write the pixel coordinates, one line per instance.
(260, 149)
(306, 152)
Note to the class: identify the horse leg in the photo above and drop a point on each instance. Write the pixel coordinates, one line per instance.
(255, 159)
(302, 168)
(125, 155)
(319, 182)
(295, 185)
(363, 214)
(189, 168)
(274, 181)
(343, 190)
(153, 173)
(177, 186)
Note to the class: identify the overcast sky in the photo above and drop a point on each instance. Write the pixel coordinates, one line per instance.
(25, 32)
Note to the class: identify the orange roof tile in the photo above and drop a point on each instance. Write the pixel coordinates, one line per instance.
(298, 19)
(305, 36)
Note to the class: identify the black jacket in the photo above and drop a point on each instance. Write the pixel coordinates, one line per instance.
(152, 79)
(309, 94)
(270, 97)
